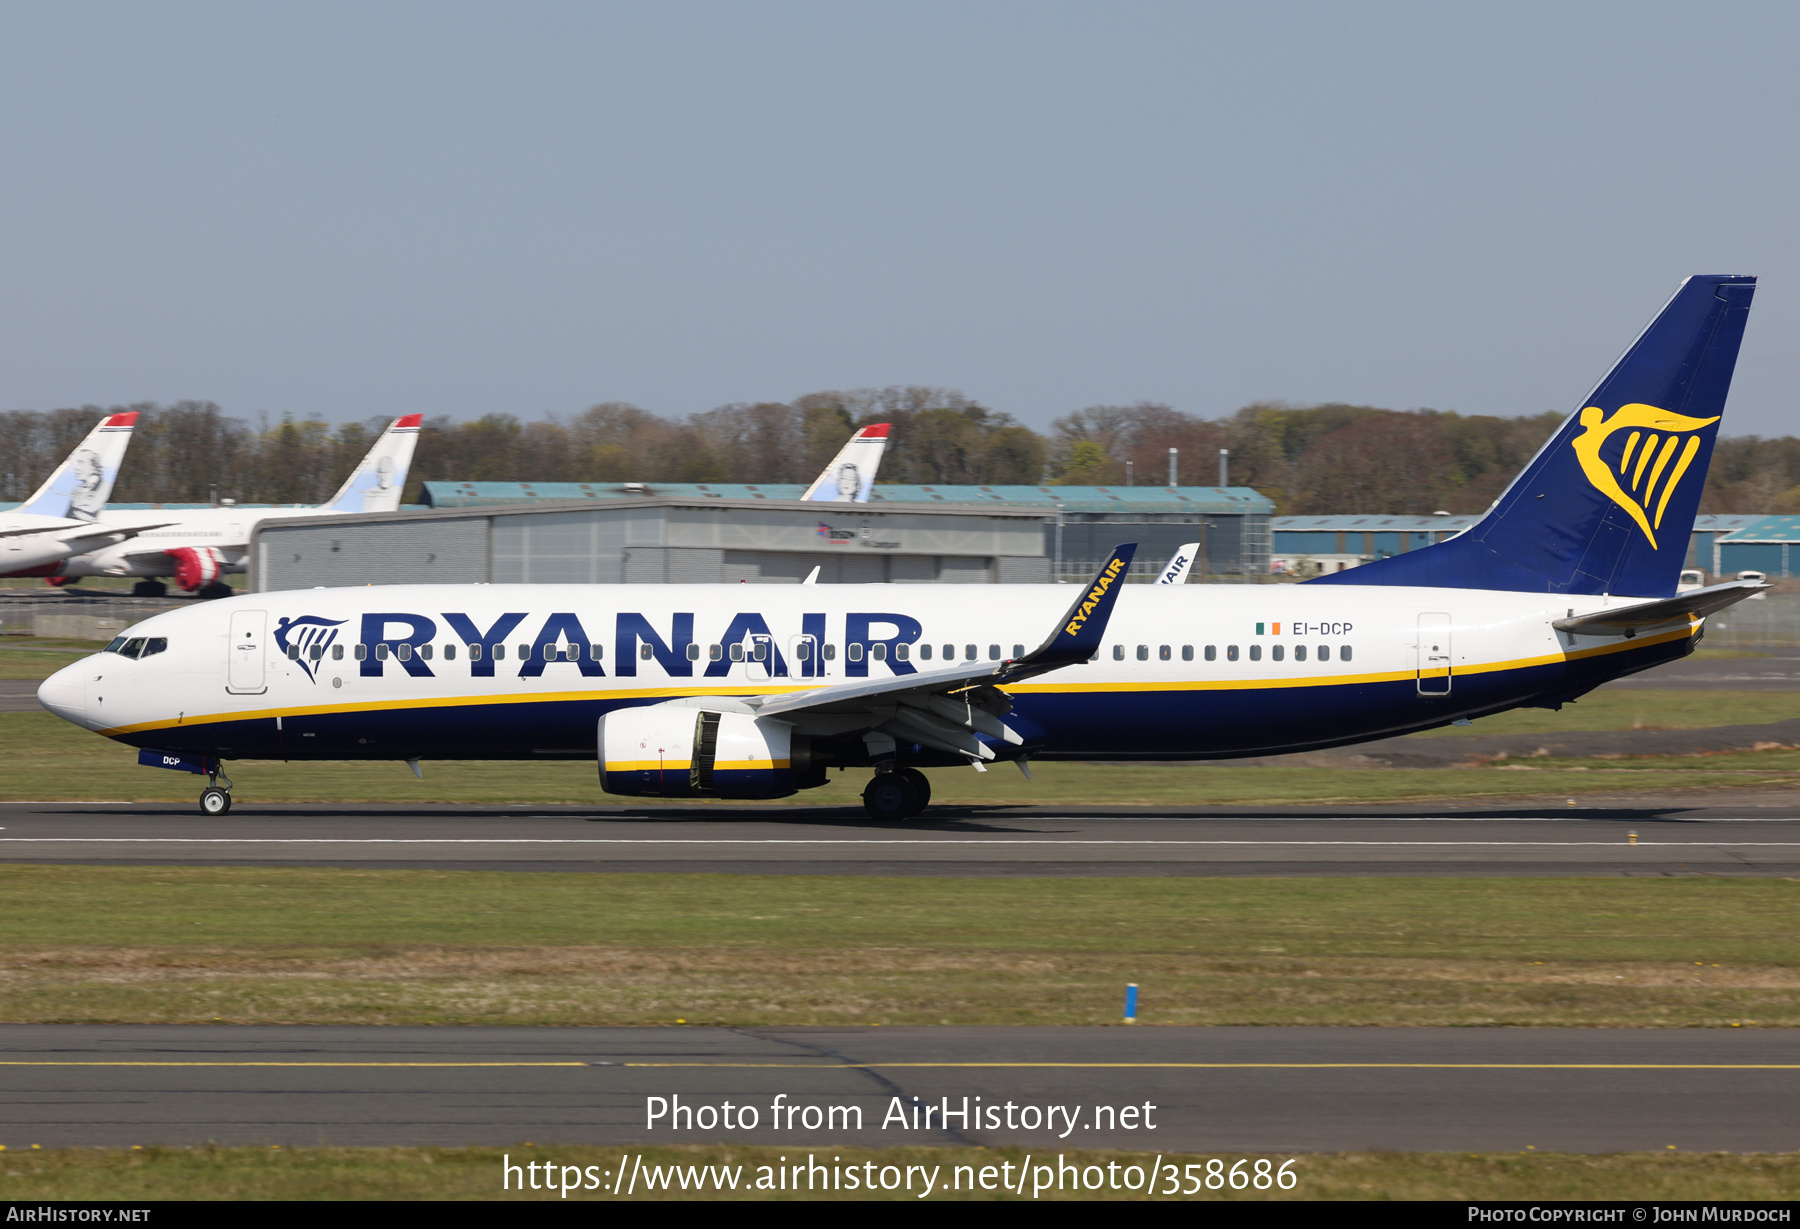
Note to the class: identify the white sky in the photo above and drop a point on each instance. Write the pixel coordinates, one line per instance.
(357, 209)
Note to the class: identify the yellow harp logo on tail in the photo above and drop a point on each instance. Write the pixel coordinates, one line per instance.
(1650, 466)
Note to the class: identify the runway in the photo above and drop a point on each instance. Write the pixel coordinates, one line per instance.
(1268, 1090)
(999, 841)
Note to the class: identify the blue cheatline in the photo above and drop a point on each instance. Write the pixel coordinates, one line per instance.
(1607, 505)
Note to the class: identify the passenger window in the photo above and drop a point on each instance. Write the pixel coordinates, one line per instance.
(737, 652)
(1256, 652)
(878, 652)
(713, 652)
(1143, 653)
(1324, 652)
(1163, 653)
(1118, 652)
(1299, 652)
(1018, 651)
(405, 651)
(316, 651)
(157, 644)
(1212, 653)
(1277, 652)
(293, 651)
(902, 652)
(1231, 652)
(381, 652)
(993, 652)
(761, 652)
(425, 651)
(949, 652)
(969, 652)
(693, 652)
(1343, 652)
(499, 652)
(475, 652)
(924, 652)
(337, 652)
(553, 652)
(803, 651)
(524, 652)
(596, 652)
(830, 652)
(1187, 652)
(854, 651)
(450, 652)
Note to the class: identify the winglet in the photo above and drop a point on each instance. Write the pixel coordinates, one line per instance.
(1078, 635)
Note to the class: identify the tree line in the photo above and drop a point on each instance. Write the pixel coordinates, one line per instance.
(1308, 459)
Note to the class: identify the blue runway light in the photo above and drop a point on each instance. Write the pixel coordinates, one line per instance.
(1131, 1003)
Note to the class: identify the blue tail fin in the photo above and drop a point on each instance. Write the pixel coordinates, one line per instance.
(1608, 504)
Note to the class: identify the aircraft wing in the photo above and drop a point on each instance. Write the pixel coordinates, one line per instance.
(1175, 572)
(87, 530)
(945, 709)
(1629, 620)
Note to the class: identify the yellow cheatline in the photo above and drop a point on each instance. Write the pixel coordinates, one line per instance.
(1250, 684)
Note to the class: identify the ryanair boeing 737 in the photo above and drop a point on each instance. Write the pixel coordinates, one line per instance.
(729, 691)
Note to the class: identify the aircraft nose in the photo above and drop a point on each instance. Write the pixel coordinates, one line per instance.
(63, 693)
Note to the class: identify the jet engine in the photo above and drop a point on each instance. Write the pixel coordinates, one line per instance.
(676, 751)
(196, 566)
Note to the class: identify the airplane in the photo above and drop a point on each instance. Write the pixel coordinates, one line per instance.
(197, 547)
(715, 691)
(851, 475)
(62, 516)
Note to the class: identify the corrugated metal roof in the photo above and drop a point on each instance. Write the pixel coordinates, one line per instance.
(1765, 529)
(1370, 524)
(1190, 499)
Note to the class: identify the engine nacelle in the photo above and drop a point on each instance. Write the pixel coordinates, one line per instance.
(674, 751)
(196, 566)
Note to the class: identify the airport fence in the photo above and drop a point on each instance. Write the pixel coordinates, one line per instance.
(76, 616)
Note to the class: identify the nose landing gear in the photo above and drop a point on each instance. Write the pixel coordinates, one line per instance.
(896, 795)
(215, 799)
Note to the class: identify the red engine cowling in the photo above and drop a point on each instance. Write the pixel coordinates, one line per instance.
(195, 566)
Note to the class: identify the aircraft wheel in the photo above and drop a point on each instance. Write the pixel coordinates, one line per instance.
(214, 801)
(218, 588)
(889, 797)
(921, 788)
(149, 588)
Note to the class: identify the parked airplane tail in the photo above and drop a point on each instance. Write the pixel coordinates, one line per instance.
(378, 481)
(851, 475)
(81, 485)
(1607, 506)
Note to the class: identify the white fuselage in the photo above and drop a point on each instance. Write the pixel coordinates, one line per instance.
(226, 530)
(1192, 671)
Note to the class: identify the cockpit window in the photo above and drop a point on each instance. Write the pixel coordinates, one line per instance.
(137, 646)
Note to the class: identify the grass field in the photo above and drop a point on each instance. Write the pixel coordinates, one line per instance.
(50, 759)
(475, 1173)
(239, 945)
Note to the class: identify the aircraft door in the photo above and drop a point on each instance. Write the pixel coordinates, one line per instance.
(1434, 654)
(803, 657)
(246, 652)
(760, 658)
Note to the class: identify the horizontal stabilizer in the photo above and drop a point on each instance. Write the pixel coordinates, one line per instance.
(1629, 620)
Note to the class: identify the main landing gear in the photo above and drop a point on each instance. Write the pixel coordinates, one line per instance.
(896, 794)
(149, 588)
(215, 799)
